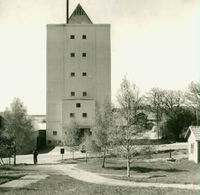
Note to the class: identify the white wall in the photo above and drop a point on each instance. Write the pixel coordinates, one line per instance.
(87, 106)
(55, 55)
(60, 84)
(192, 156)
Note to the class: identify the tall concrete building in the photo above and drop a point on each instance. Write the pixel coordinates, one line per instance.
(78, 73)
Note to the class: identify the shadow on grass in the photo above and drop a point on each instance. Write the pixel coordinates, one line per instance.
(154, 176)
(79, 160)
(70, 162)
(27, 189)
(6, 168)
(3, 190)
(16, 169)
(11, 177)
(146, 170)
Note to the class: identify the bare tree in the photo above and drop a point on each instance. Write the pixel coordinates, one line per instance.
(123, 138)
(129, 100)
(193, 98)
(72, 136)
(155, 102)
(173, 100)
(123, 134)
(101, 130)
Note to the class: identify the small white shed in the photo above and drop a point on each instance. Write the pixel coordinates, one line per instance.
(193, 137)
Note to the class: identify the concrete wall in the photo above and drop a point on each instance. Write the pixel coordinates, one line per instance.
(103, 64)
(55, 61)
(87, 106)
(60, 83)
(97, 63)
(80, 64)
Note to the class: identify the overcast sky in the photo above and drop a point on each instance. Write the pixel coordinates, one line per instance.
(154, 42)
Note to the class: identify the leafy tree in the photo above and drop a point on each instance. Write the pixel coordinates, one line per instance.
(101, 130)
(142, 120)
(72, 136)
(177, 122)
(5, 149)
(19, 128)
(164, 103)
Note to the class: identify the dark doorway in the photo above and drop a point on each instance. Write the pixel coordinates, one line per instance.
(41, 139)
(84, 132)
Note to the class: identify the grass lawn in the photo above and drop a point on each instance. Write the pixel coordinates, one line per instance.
(8, 173)
(181, 171)
(163, 154)
(64, 185)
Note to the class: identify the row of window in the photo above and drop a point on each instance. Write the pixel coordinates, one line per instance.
(72, 54)
(84, 74)
(54, 141)
(72, 115)
(83, 94)
(73, 37)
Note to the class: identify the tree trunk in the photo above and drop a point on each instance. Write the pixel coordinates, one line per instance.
(73, 154)
(14, 158)
(128, 166)
(86, 156)
(15, 151)
(104, 159)
(1, 161)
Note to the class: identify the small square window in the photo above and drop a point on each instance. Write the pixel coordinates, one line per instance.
(84, 115)
(72, 93)
(72, 36)
(72, 55)
(84, 93)
(49, 141)
(78, 105)
(84, 37)
(72, 74)
(84, 74)
(54, 132)
(72, 115)
(83, 54)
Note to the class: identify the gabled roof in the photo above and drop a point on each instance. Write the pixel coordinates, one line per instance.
(195, 130)
(79, 16)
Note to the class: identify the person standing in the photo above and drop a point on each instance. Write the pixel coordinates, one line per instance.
(35, 154)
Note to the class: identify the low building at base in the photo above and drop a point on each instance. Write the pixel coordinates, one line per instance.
(39, 124)
(193, 137)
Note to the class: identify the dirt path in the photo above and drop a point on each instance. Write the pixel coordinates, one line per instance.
(72, 171)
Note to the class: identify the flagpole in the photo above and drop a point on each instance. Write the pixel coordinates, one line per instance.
(67, 11)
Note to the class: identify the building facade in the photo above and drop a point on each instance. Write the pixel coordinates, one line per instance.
(78, 73)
